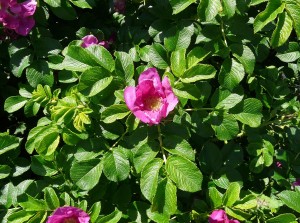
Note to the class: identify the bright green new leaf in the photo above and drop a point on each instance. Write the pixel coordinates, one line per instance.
(232, 194)
(215, 197)
(149, 178)
(95, 211)
(32, 204)
(282, 218)
(86, 174)
(124, 66)
(293, 9)
(158, 56)
(273, 8)
(229, 7)
(20, 216)
(283, 30)
(244, 55)
(196, 55)
(184, 173)
(113, 217)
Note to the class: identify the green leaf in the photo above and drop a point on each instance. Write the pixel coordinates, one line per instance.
(215, 197)
(30, 203)
(4, 171)
(282, 218)
(210, 158)
(51, 198)
(8, 142)
(158, 56)
(116, 165)
(229, 7)
(95, 211)
(207, 10)
(114, 112)
(232, 194)
(178, 62)
(231, 74)
(188, 91)
(249, 112)
(179, 37)
(248, 202)
(224, 99)
(20, 216)
(165, 200)
(293, 9)
(94, 80)
(225, 127)
(144, 154)
(198, 72)
(20, 56)
(273, 8)
(62, 9)
(113, 217)
(290, 199)
(196, 55)
(42, 167)
(124, 66)
(184, 173)
(180, 5)
(257, 164)
(86, 174)
(84, 4)
(283, 30)
(102, 57)
(14, 103)
(244, 55)
(149, 178)
(291, 54)
(39, 73)
(179, 146)
(45, 46)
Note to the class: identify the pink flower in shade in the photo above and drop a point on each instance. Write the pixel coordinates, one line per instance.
(18, 16)
(151, 100)
(220, 216)
(279, 164)
(296, 183)
(89, 40)
(119, 6)
(69, 215)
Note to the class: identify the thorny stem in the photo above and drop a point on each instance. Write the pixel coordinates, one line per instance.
(160, 144)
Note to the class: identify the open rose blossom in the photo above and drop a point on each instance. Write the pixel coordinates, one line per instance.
(18, 16)
(69, 215)
(90, 40)
(220, 216)
(151, 100)
(296, 183)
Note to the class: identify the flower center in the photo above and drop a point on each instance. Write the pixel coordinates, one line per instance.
(70, 220)
(153, 103)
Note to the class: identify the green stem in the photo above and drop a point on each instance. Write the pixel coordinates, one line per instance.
(161, 144)
(199, 109)
(117, 142)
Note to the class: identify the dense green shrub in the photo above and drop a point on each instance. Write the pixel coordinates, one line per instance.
(231, 143)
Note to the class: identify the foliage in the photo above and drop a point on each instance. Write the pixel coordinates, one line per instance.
(231, 143)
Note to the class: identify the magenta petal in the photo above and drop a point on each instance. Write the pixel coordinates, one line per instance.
(63, 213)
(218, 216)
(130, 97)
(25, 26)
(89, 40)
(171, 99)
(28, 8)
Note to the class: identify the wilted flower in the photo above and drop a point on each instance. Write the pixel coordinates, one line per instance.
(18, 16)
(151, 100)
(69, 215)
(119, 6)
(92, 40)
(220, 216)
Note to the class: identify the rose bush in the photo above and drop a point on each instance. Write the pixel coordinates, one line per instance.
(149, 111)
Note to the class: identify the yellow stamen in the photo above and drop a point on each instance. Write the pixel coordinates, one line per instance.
(153, 103)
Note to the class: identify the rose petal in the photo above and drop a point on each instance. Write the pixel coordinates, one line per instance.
(89, 40)
(130, 97)
(25, 26)
(171, 99)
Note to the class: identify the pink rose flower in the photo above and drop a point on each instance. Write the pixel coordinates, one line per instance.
(296, 183)
(68, 215)
(220, 216)
(279, 164)
(90, 40)
(18, 16)
(151, 100)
